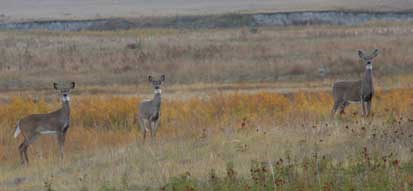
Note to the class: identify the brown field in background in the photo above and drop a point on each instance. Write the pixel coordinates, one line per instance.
(201, 56)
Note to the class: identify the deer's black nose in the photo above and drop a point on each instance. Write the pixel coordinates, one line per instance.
(369, 62)
(65, 95)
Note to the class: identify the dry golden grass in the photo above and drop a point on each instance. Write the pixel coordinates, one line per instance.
(198, 134)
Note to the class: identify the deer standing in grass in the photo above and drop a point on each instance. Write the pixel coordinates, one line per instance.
(357, 91)
(54, 123)
(149, 111)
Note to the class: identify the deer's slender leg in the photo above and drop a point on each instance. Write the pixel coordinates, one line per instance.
(333, 111)
(143, 128)
(155, 129)
(29, 142)
(363, 107)
(152, 130)
(23, 156)
(368, 108)
(26, 158)
(61, 142)
(24, 146)
(343, 107)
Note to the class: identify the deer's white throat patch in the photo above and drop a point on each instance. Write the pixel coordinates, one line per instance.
(369, 67)
(65, 98)
(48, 132)
(158, 91)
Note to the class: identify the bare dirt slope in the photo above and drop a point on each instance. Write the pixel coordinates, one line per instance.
(17, 10)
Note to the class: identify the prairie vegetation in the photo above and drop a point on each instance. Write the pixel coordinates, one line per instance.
(242, 109)
(201, 56)
(197, 135)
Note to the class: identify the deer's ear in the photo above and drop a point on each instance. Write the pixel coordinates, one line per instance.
(361, 54)
(375, 53)
(163, 77)
(55, 85)
(150, 78)
(73, 85)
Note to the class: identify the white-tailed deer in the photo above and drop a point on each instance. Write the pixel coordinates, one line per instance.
(54, 123)
(357, 91)
(149, 111)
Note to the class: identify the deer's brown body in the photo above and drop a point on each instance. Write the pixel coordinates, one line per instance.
(150, 111)
(357, 91)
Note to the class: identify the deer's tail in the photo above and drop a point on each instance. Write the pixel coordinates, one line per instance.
(17, 132)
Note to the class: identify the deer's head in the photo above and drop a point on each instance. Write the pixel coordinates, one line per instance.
(156, 84)
(367, 58)
(64, 90)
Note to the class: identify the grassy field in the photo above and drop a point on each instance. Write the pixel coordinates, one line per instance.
(243, 110)
(122, 58)
(105, 152)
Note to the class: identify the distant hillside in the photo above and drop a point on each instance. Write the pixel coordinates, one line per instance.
(23, 10)
(251, 20)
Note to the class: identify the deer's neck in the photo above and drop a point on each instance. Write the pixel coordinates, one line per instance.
(65, 111)
(368, 75)
(367, 84)
(156, 101)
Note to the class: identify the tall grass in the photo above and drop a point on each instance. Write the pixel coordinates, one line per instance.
(113, 118)
(197, 134)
